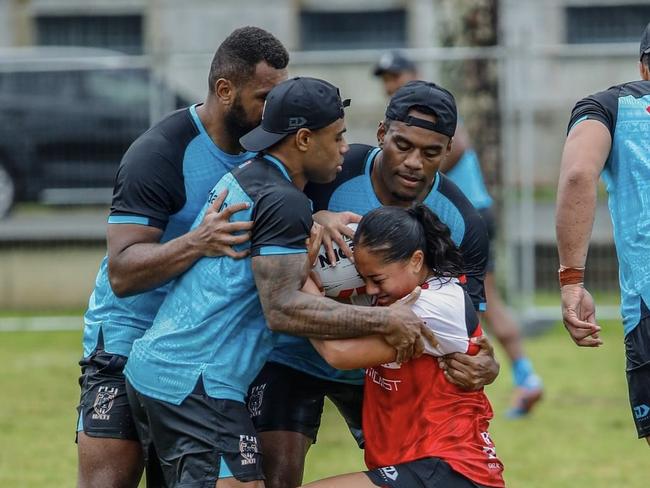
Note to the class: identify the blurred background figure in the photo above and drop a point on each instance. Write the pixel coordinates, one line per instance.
(462, 166)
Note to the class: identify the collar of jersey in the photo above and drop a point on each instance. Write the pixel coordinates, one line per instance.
(230, 159)
(278, 164)
(437, 280)
(370, 160)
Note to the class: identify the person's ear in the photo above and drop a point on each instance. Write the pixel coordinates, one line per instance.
(381, 133)
(417, 261)
(303, 139)
(225, 91)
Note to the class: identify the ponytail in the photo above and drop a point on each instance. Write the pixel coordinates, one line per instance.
(441, 254)
(397, 233)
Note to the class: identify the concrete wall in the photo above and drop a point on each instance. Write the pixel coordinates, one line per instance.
(54, 277)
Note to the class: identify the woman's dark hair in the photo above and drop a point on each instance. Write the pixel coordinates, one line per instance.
(239, 53)
(396, 233)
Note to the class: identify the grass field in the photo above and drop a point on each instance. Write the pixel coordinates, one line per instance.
(581, 436)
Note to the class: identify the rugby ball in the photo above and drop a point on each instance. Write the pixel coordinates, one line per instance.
(341, 280)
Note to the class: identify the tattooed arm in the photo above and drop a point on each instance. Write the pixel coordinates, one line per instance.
(279, 279)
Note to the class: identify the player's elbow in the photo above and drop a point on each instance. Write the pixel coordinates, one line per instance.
(579, 177)
(277, 319)
(120, 285)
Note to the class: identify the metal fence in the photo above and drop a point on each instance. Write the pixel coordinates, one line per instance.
(530, 113)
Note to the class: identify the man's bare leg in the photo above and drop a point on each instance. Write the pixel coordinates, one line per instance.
(284, 454)
(108, 463)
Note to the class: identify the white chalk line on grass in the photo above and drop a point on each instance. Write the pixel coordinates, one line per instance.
(39, 324)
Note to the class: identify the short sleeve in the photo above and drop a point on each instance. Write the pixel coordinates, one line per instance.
(149, 187)
(447, 312)
(602, 106)
(475, 249)
(282, 222)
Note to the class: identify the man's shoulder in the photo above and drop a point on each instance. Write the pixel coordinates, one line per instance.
(446, 188)
(167, 139)
(258, 177)
(636, 89)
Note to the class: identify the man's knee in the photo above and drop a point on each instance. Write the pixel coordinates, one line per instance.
(108, 463)
(284, 458)
(647, 439)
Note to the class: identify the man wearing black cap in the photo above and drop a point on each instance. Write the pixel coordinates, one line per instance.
(463, 167)
(286, 398)
(609, 133)
(395, 69)
(188, 375)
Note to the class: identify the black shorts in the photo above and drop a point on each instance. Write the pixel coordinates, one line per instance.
(199, 441)
(491, 225)
(104, 408)
(428, 472)
(283, 398)
(637, 353)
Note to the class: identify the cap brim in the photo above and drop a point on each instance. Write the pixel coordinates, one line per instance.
(258, 139)
(381, 70)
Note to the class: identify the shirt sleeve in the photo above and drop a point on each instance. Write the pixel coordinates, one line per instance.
(149, 187)
(602, 106)
(282, 223)
(447, 312)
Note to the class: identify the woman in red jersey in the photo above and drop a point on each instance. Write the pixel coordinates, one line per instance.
(420, 430)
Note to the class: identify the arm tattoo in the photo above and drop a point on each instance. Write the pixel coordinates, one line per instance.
(279, 279)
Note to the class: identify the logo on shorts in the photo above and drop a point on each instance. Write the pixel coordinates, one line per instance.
(389, 473)
(248, 449)
(104, 402)
(641, 411)
(255, 400)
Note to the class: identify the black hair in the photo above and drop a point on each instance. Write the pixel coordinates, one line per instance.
(239, 53)
(419, 108)
(645, 60)
(396, 233)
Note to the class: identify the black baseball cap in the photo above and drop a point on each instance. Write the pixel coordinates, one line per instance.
(393, 62)
(295, 104)
(420, 93)
(644, 48)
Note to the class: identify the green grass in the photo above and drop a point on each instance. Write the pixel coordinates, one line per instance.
(582, 435)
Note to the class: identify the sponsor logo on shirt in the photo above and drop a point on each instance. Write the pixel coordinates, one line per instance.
(103, 403)
(489, 450)
(386, 384)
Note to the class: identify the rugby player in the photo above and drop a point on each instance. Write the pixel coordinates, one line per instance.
(609, 135)
(161, 186)
(419, 429)
(463, 168)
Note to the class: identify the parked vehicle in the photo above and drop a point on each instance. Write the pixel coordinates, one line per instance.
(66, 117)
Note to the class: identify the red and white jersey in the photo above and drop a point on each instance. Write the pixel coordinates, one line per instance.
(448, 311)
(410, 411)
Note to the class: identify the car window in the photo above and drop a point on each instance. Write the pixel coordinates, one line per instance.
(125, 88)
(62, 84)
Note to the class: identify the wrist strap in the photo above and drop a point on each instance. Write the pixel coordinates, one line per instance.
(570, 276)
